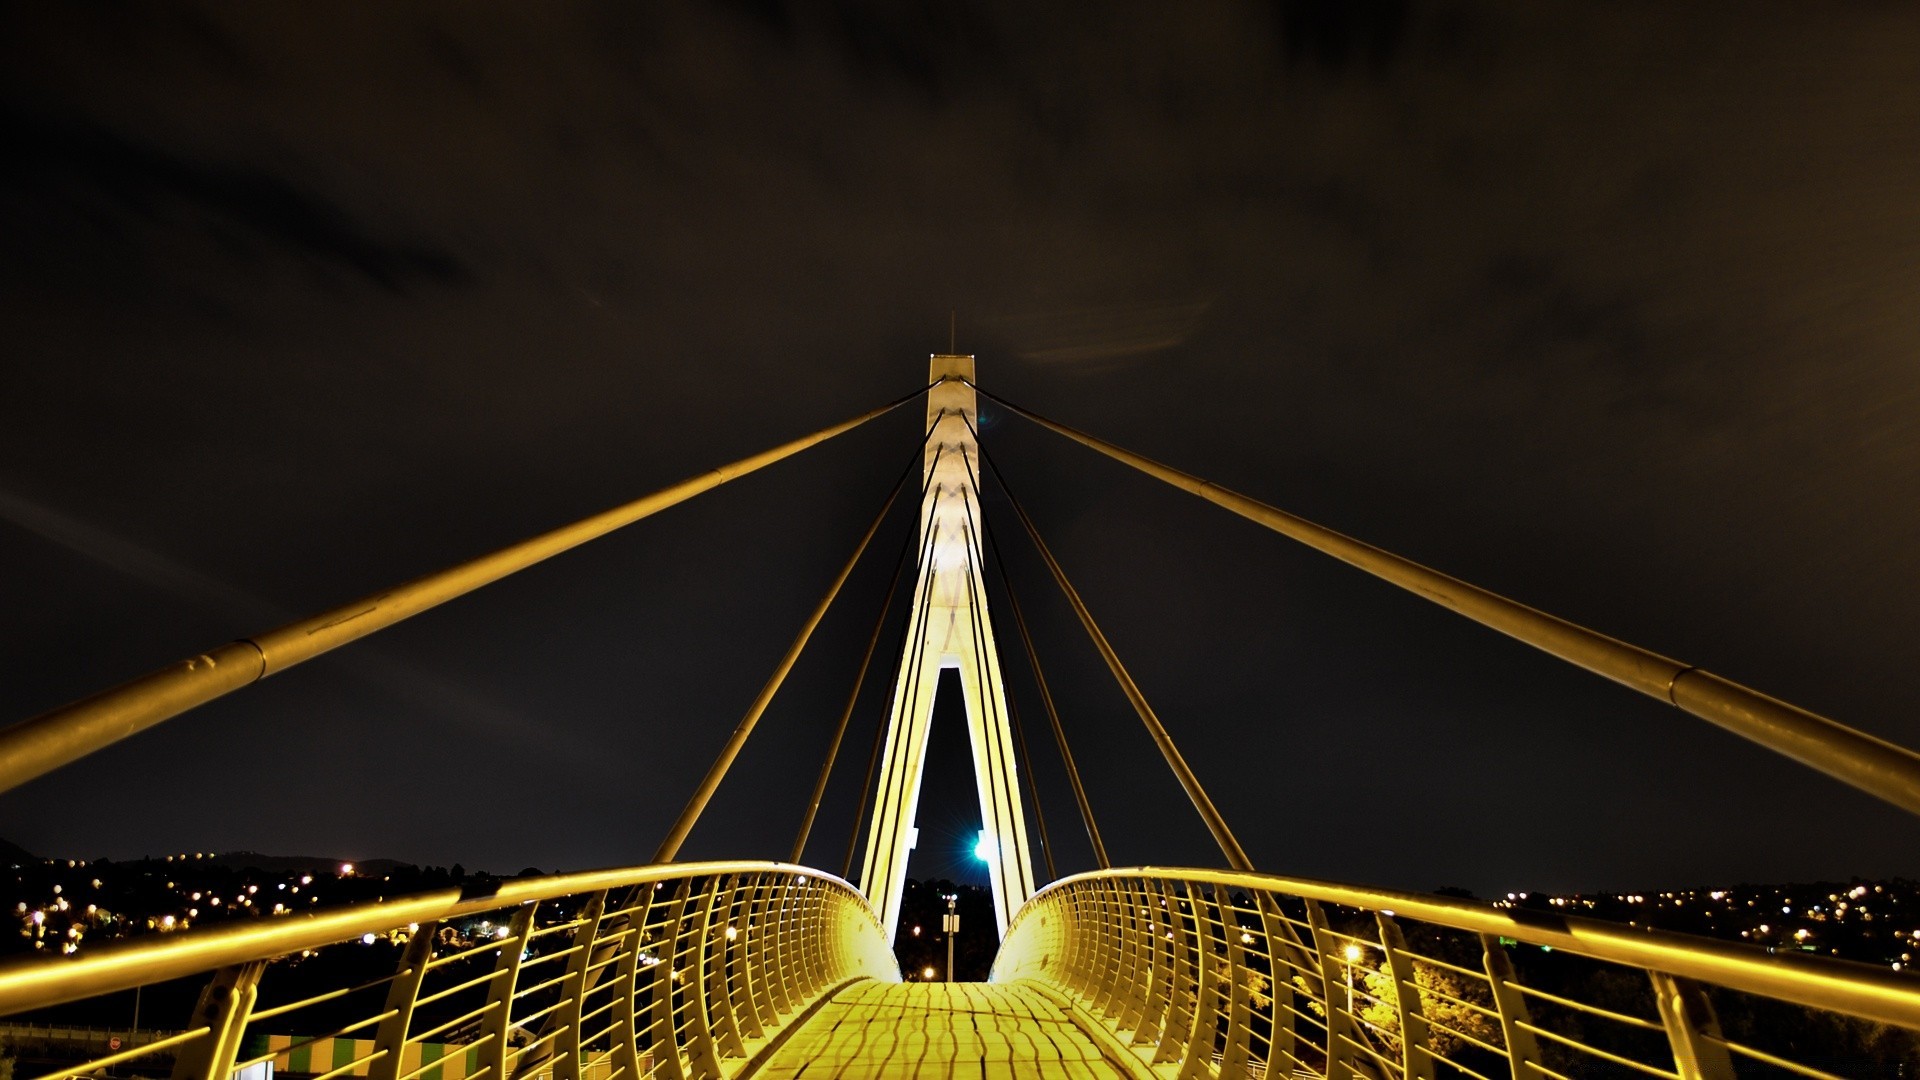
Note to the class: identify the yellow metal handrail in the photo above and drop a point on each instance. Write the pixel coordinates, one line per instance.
(669, 972)
(1223, 974)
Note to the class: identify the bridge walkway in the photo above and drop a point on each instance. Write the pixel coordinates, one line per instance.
(943, 1031)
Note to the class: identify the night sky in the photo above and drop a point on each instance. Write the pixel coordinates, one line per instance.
(1609, 307)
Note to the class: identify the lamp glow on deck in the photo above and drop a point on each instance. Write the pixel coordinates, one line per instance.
(984, 848)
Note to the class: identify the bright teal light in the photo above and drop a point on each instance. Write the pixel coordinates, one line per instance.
(985, 848)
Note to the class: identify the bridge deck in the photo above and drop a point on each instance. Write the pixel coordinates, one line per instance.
(939, 1031)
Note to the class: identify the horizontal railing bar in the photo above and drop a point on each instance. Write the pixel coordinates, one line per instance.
(1777, 1062)
(492, 944)
(1370, 1051)
(587, 1017)
(1444, 996)
(479, 1042)
(548, 1037)
(1591, 1010)
(1422, 958)
(343, 1070)
(477, 980)
(291, 1006)
(1819, 982)
(556, 928)
(463, 1018)
(1449, 1062)
(538, 1013)
(1481, 1043)
(311, 1039)
(1617, 1059)
(526, 991)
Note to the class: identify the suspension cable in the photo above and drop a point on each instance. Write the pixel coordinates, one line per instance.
(1012, 813)
(906, 693)
(1033, 786)
(880, 728)
(677, 835)
(1046, 702)
(39, 745)
(859, 680)
(1210, 814)
(1866, 762)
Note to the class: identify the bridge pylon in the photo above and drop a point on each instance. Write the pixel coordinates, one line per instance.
(949, 629)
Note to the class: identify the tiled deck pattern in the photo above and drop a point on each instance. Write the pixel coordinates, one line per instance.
(939, 1031)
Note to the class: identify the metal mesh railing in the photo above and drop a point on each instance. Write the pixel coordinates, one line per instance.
(1218, 974)
(653, 973)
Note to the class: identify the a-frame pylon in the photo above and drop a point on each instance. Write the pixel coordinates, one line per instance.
(949, 629)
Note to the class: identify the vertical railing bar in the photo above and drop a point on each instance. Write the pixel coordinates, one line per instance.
(498, 1020)
(1181, 992)
(1416, 1057)
(1523, 1052)
(1234, 1057)
(1693, 1031)
(402, 993)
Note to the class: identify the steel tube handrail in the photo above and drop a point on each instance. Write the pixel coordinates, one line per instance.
(1815, 982)
(31, 982)
(1867, 762)
(43, 743)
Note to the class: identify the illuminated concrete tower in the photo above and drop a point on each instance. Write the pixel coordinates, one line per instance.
(949, 629)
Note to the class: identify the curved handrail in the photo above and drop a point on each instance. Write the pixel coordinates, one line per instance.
(1183, 961)
(37, 982)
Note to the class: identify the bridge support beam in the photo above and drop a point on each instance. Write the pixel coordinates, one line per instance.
(950, 629)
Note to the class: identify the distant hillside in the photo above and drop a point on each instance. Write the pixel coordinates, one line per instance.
(305, 864)
(12, 854)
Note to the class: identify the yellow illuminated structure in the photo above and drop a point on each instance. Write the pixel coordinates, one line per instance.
(950, 631)
(730, 970)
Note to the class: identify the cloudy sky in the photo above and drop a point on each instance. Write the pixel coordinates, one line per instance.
(1610, 307)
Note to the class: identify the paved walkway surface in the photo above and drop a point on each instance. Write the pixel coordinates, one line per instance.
(939, 1031)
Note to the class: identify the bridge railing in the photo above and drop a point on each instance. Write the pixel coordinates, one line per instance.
(671, 972)
(1221, 974)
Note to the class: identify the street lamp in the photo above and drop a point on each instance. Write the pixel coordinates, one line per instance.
(1353, 953)
(950, 926)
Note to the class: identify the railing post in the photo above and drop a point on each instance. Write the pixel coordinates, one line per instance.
(1692, 1029)
(1523, 1051)
(1233, 1056)
(1159, 939)
(1281, 1040)
(569, 1046)
(701, 1047)
(726, 1024)
(1115, 1002)
(1183, 998)
(1206, 986)
(1341, 1030)
(664, 1041)
(767, 945)
(1137, 968)
(740, 956)
(497, 1022)
(625, 1037)
(223, 1009)
(390, 1038)
(1416, 1062)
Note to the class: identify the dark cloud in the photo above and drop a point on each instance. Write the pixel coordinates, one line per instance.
(1609, 308)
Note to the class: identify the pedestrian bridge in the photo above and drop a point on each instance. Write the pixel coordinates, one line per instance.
(705, 971)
